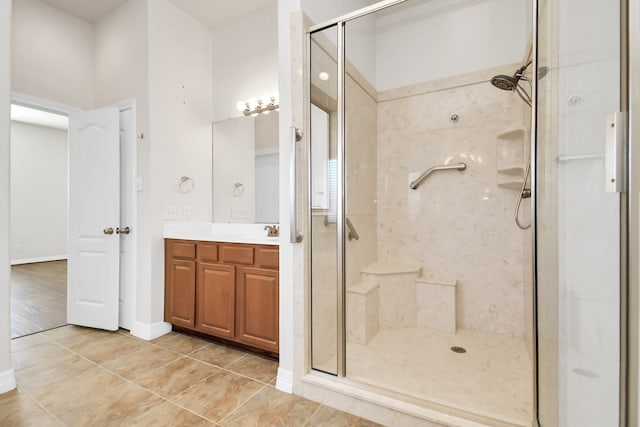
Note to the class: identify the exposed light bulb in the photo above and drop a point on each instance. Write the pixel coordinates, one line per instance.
(241, 106)
(323, 76)
(253, 103)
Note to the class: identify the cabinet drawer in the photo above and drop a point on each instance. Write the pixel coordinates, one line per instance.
(178, 249)
(267, 257)
(207, 252)
(237, 254)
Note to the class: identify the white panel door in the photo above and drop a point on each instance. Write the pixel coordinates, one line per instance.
(94, 215)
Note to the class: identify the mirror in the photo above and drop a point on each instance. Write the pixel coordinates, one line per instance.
(245, 169)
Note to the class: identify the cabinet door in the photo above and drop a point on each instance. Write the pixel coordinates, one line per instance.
(257, 308)
(181, 292)
(216, 299)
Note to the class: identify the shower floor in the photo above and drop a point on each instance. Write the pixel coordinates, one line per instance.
(492, 379)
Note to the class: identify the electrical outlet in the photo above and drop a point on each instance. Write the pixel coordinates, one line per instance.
(186, 212)
(18, 248)
(173, 212)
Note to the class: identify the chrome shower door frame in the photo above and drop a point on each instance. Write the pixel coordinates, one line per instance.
(340, 24)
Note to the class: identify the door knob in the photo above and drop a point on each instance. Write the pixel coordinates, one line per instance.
(108, 230)
(125, 230)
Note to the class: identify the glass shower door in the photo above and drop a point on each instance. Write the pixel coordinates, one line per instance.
(578, 222)
(325, 296)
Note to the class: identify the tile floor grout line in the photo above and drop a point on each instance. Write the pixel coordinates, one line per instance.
(196, 383)
(44, 408)
(233, 372)
(170, 339)
(240, 405)
(209, 363)
(312, 415)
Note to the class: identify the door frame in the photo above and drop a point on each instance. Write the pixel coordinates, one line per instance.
(131, 150)
(631, 47)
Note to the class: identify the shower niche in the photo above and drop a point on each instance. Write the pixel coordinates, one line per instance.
(510, 159)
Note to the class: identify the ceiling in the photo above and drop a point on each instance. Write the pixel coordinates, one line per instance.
(209, 12)
(89, 10)
(216, 12)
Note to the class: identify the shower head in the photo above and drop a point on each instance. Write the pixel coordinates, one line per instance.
(505, 82)
(511, 83)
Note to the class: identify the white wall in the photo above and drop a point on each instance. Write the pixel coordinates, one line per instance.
(39, 193)
(120, 55)
(245, 54)
(180, 116)
(443, 38)
(422, 41)
(7, 378)
(320, 11)
(52, 54)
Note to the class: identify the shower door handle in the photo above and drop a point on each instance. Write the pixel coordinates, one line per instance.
(295, 235)
(615, 157)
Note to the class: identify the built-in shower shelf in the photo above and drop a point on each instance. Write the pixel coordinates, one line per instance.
(511, 185)
(513, 170)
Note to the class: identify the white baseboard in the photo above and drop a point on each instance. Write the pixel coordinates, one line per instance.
(284, 382)
(151, 331)
(41, 259)
(7, 381)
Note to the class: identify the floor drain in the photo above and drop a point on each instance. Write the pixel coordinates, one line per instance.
(457, 349)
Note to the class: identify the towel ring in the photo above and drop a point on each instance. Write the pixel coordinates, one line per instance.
(186, 184)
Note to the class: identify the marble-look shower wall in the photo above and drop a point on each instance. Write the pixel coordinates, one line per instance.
(362, 162)
(458, 226)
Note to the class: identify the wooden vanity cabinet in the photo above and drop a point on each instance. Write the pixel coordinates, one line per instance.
(228, 290)
(216, 306)
(180, 273)
(257, 322)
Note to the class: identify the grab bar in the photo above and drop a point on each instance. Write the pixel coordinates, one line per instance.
(353, 234)
(459, 166)
(294, 235)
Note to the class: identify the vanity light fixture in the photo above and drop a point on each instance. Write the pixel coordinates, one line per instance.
(253, 107)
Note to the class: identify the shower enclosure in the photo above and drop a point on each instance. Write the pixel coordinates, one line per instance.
(423, 178)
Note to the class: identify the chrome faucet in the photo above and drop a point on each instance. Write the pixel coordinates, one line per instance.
(274, 230)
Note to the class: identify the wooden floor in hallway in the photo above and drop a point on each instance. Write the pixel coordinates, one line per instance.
(38, 297)
(74, 376)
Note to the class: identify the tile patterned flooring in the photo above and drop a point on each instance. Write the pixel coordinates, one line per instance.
(38, 297)
(73, 376)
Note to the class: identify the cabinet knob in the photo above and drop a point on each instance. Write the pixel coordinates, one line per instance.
(108, 230)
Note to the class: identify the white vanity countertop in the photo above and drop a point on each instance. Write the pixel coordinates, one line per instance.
(220, 232)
